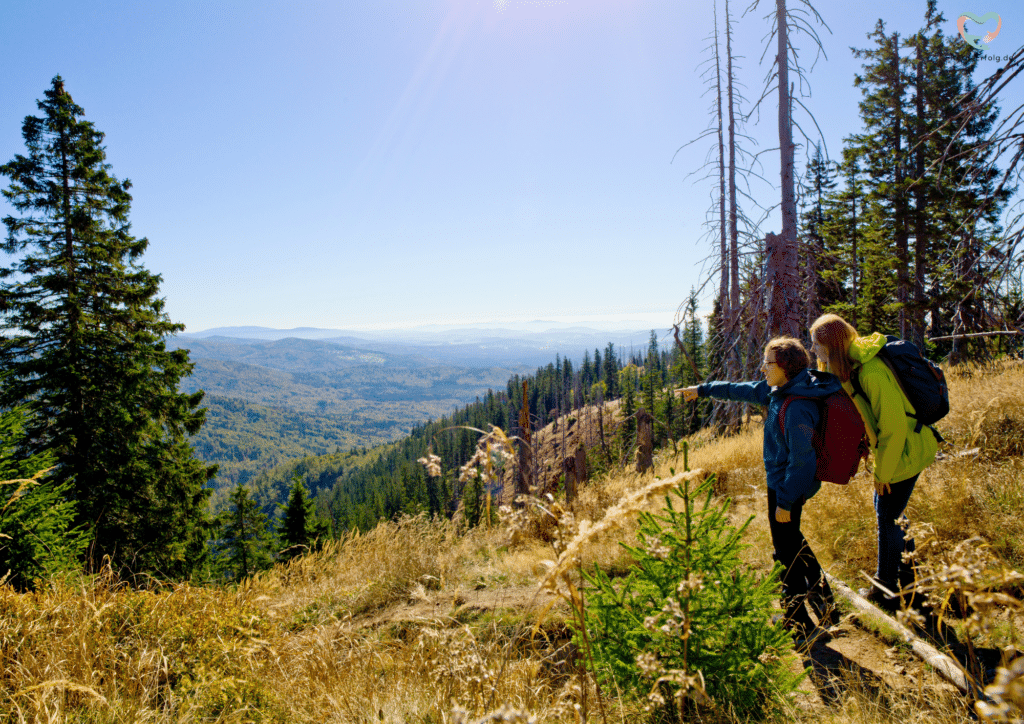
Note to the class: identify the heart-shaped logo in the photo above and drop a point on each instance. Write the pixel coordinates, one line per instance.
(977, 40)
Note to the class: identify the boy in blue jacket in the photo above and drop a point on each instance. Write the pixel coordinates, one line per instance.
(790, 463)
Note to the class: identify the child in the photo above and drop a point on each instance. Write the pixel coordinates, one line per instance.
(790, 462)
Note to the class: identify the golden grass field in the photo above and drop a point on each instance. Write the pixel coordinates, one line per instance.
(416, 622)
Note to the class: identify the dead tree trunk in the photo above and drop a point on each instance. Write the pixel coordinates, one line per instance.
(723, 286)
(575, 469)
(781, 280)
(783, 311)
(734, 253)
(644, 438)
(524, 478)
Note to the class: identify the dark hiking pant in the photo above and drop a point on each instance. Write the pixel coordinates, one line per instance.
(892, 542)
(802, 573)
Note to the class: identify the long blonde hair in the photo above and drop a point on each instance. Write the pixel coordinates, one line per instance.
(834, 334)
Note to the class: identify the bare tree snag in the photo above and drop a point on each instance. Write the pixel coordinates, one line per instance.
(781, 281)
(783, 313)
(733, 359)
(645, 444)
(524, 479)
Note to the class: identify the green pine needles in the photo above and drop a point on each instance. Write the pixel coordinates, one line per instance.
(691, 624)
(82, 329)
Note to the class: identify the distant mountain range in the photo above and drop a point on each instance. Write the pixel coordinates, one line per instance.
(472, 346)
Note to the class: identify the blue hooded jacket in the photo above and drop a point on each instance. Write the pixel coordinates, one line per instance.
(789, 459)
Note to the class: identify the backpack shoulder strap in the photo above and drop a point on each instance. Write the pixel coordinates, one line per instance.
(887, 361)
(855, 381)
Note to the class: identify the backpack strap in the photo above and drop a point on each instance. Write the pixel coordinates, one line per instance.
(903, 390)
(855, 381)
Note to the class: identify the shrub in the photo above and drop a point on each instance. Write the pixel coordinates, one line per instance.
(690, 619)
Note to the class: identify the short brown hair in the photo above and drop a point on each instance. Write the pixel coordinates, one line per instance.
(790, 355)
(834, 334)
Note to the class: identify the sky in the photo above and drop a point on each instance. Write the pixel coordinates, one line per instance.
(372, 165)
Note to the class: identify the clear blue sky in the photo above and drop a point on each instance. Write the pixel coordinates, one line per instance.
(386, 164)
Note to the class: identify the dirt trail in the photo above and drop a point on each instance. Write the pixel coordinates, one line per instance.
(462, 605)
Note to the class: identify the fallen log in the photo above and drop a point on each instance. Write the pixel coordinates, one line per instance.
(975, 334)
(949, 669)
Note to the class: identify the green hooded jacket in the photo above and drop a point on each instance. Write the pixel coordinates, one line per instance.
(900, 453)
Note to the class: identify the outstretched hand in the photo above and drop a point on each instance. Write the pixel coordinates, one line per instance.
(782, 516)
(690, 394)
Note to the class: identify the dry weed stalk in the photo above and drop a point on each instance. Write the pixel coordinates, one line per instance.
(1006, 695)
(493, 450)
(970, 576)
(974, 580)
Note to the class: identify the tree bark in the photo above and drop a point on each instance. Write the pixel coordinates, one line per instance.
(783, 311)
(644, 439)
(524, 477)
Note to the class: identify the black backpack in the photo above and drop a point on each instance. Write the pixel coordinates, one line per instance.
(920, 379)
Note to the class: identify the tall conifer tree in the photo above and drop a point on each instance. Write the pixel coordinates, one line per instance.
(83, 348)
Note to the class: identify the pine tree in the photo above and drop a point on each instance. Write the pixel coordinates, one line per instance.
(37, 540)
(83, 349)
(247, 543)
(842, 216)
(689, 604)
(819, 181)
(610, 372)
(299, 528)
(950, 210)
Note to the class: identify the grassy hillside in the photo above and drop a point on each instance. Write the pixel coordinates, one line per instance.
(417, 619)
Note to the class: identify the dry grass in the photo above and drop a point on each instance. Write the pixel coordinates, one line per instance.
(283, 648)
(310, 641)
(987, 408)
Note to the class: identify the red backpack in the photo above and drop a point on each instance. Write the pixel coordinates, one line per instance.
(839, 440)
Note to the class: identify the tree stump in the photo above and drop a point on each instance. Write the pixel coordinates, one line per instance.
(645, 443)
(575, 469)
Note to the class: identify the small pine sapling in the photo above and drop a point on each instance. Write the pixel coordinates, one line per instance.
(691, 623)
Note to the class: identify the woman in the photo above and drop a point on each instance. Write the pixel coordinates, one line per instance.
(900, 452)
(790, 463)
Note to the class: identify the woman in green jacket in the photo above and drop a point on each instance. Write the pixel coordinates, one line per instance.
(900, 452)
